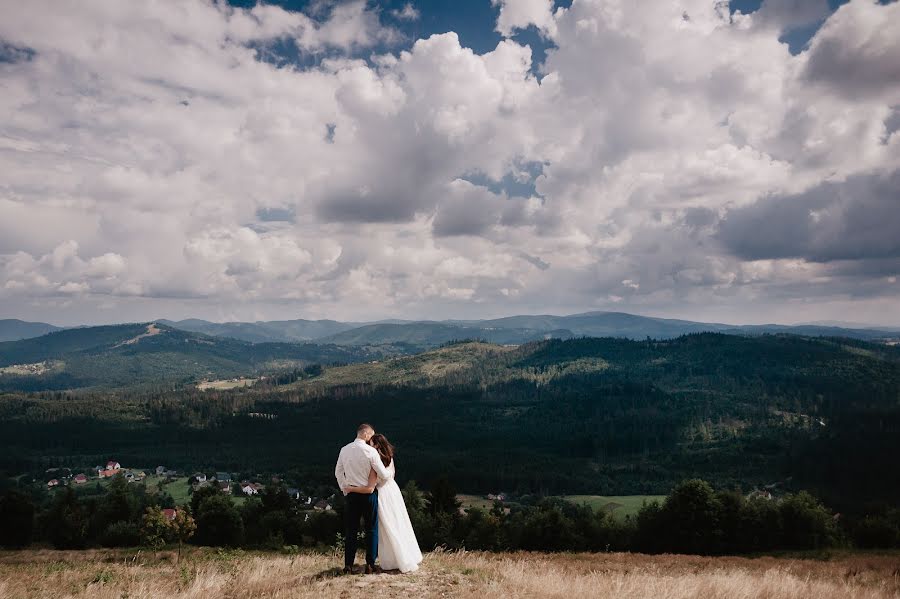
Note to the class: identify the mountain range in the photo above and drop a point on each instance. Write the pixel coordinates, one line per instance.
(153, 354)
(426, 334)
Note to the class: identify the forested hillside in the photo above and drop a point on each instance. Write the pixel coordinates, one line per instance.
(152, 355)
(605, 416)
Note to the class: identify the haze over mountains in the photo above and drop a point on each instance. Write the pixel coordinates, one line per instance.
(12, 329)
(507, 330)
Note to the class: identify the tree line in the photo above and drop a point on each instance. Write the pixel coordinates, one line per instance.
(693, 518)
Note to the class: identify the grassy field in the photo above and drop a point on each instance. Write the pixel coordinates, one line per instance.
(225, 384)
(475, 501)
(179, 489)
(108, 574)
(619, 505)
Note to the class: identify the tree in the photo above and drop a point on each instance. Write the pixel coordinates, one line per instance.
(66, 522)
(807, 523)
(155, 529)
(219, 523)
(16, 519)
(201, 494)
(183, 527)
(690, 517)
(442, 498)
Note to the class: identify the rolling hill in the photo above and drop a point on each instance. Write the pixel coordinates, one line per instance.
(134, 355)
(13, 330)
(287, 331)
(596, 416)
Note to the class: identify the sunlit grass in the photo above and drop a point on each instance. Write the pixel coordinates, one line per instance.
(111, 574)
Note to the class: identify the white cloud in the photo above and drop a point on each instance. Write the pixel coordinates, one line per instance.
(142, 144)
(407, 13)
(521, 14)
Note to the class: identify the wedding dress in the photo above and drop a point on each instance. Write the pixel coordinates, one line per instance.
(398, 548)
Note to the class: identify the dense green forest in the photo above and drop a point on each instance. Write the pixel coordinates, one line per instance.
(604, 416)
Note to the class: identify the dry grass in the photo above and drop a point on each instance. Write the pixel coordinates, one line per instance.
(204, 573)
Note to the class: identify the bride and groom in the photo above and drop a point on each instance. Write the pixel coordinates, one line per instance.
(365, 473)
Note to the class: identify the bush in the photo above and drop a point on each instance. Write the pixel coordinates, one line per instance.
(880, 531)
(120, 534)
(16, 519)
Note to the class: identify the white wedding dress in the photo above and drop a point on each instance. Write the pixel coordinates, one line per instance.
(398, 548)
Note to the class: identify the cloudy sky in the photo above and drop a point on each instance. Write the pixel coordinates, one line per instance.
(360, 160)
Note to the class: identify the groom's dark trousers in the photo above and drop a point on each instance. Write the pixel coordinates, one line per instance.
(365, 507)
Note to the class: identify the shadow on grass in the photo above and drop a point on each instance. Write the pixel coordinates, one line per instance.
(338, 573)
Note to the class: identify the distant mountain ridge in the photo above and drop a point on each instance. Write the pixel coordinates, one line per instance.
(286, 331)
(12, 329)
(424, 334)
(152, 354)
(522, 329)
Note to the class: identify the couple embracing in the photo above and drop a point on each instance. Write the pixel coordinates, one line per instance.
(365, 473)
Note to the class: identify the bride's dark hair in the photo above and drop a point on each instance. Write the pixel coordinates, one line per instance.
(384, 447)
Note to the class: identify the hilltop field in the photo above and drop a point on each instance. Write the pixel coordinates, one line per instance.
(107, 574)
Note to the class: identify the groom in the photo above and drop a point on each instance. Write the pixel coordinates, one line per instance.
(354, 463)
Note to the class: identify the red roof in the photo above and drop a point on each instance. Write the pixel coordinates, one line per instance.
(170, 513)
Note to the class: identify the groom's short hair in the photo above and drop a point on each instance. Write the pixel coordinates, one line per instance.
(364, 428)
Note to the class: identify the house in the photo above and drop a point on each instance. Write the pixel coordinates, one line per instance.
(129, 476)
(223, 477)
(322, 505)
(249, 489)
(225, 487)
(107, 473)
(170, 473)
(170, 513)
(160, 470)
(113, 465)
(293, 493)
(199, 477)
(52, 483)
(80, 479)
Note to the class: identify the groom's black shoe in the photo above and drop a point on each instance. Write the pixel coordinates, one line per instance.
(373, 569)
(351, 570)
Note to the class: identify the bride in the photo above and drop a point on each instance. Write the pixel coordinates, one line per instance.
(398, 548)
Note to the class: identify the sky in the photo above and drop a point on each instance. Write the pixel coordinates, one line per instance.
(358, 160)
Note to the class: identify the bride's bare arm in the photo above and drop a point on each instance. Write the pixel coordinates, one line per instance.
(367, 490)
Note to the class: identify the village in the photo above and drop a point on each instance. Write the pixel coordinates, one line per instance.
(181, 485)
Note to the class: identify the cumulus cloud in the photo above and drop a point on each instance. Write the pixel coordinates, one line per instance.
(856, 51)
(857, 219)
(680, 160)
(521, 14)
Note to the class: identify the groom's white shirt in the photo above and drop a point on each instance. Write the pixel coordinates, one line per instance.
(354, 463)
